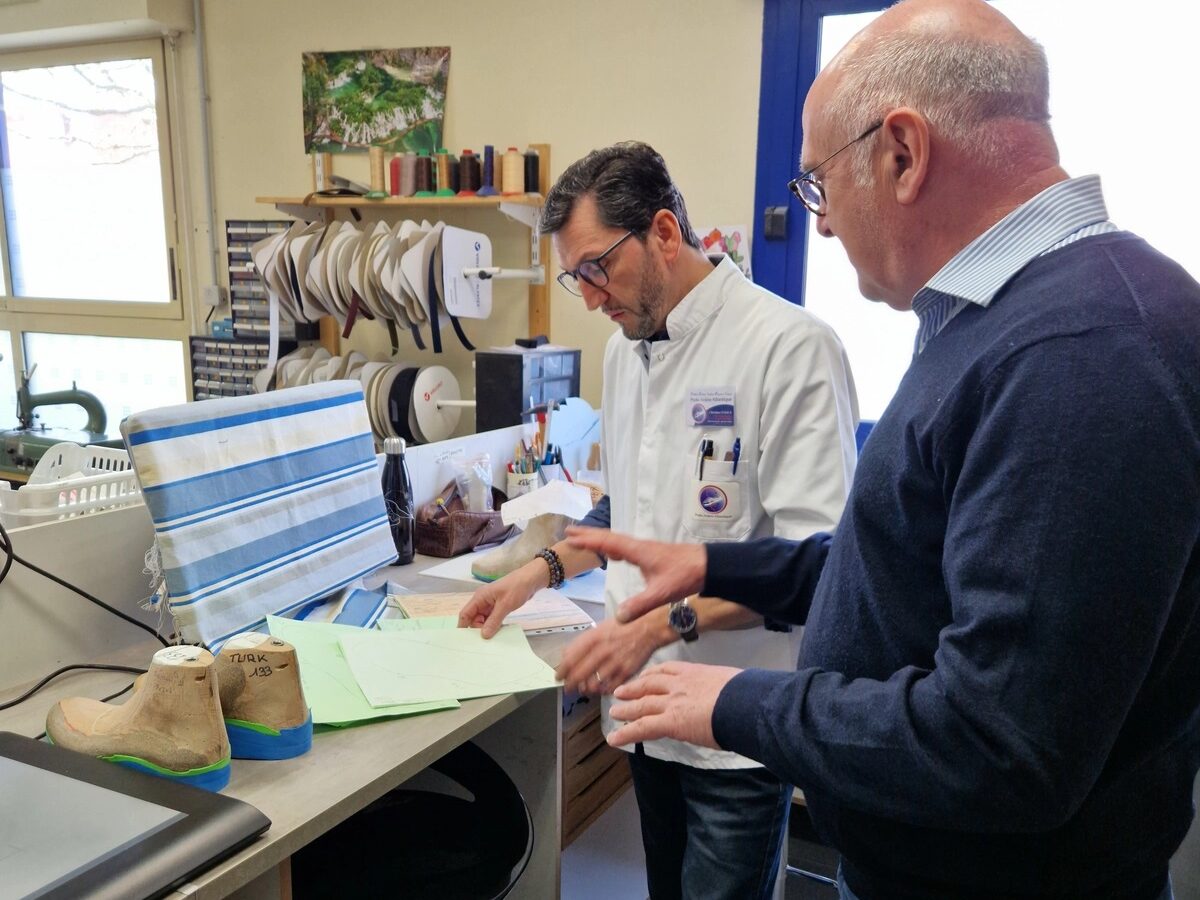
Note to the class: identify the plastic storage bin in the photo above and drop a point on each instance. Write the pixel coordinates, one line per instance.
(70, 480)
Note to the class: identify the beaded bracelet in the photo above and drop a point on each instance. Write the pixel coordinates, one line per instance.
(557, 573)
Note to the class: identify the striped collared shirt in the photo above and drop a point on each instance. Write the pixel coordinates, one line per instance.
(1060, 215)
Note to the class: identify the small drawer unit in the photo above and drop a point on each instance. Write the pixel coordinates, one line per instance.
(511, 379)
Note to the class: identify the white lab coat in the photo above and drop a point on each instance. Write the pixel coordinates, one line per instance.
(795, 414)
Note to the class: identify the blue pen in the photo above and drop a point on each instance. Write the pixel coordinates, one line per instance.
(737, 453)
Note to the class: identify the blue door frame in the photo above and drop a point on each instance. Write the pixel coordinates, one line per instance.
(791, 53)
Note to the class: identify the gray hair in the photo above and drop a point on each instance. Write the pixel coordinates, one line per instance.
(962, 85)
(630, 184)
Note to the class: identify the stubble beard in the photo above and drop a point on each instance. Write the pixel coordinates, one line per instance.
(652, 293)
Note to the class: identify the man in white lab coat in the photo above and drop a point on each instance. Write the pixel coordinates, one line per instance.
(729, 414)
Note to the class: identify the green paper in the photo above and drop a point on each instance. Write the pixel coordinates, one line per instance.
(329, 686)
(420, 623)
(412, 666)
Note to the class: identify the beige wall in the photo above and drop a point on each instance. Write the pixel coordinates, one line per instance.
(680, 75)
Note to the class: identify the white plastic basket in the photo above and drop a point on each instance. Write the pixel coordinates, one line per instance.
(70, 480)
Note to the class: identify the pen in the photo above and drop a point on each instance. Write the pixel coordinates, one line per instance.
(705, 452)
(737, 453)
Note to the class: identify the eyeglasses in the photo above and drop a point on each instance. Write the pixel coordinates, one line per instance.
(591, 270)
(808, 190)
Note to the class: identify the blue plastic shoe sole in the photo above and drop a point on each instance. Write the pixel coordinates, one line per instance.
(252, 743)
(211, 779)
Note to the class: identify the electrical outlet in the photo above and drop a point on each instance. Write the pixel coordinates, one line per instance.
(212, 295)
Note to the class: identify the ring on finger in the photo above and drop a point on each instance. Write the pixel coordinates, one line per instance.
(599, 677)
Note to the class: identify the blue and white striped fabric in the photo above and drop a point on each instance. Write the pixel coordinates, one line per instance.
(1063, 213)
(260, 504)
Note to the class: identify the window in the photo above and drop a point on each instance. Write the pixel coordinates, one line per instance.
(94, 364)
(83, 192)
(88, 236)
(1111, 101)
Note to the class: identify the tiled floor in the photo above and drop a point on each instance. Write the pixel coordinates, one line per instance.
(606, 861)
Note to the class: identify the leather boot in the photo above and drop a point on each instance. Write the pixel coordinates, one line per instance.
(263, 702)
(541, 531)
(172, 727)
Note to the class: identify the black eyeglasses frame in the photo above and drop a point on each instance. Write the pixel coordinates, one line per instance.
(816, 204)
(597, 281)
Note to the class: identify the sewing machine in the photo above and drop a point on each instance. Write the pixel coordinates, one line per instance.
(22, 447)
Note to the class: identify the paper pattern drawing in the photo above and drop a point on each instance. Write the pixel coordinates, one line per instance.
(397, 667)
(329, 686)
(547, 610)
(422, 624)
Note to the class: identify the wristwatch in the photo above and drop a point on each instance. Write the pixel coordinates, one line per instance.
(682, 618)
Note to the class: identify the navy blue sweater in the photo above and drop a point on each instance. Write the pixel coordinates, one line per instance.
(998, 693)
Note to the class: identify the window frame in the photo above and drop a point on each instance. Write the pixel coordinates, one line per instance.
(172, 308)
(167, 320)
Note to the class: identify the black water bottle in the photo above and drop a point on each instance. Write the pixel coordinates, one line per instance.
(397, 496)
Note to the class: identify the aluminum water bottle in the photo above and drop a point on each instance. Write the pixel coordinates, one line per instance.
(397, 496)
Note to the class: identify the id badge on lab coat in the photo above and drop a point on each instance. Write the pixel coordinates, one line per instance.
(713, 507)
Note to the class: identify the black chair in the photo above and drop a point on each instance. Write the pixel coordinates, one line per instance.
(423, 844)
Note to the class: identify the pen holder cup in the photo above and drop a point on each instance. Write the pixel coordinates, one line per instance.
(521, 483)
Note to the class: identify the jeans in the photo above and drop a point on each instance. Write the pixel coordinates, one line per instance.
(844, 892)
(709, 834)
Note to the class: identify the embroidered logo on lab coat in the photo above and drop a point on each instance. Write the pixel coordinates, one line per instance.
(712, 499)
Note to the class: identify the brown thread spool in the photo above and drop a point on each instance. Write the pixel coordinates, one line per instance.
(512, 172)
(443, 174)
(469, 173)
(424, 182)
(375, 156)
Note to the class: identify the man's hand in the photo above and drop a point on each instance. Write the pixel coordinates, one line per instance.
(671, 571)
(602, 658)
(490, 604)
(672, 700)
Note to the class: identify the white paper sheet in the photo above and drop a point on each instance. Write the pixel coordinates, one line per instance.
(394, 667)
(571, 500)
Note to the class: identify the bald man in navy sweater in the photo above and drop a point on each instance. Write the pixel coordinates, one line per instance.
(998, 693)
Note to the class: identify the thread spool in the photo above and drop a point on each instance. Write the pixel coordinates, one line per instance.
(408, 174)
(469, 174)
(322, 169)
(443, 174)
(394, 175)
(453, 174)
(424, 182)
(487, 185)
(375, 157)
(532, 167)
(512, 172)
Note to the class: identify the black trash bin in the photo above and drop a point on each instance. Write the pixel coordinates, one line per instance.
(423, 844)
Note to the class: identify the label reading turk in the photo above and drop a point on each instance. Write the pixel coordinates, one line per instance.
(711, 406)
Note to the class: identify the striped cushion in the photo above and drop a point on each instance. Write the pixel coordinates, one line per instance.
(260, 504)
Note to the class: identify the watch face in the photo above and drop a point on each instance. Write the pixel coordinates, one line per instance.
(682, 618)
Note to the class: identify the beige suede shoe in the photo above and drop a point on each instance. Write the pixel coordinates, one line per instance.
(540, 532)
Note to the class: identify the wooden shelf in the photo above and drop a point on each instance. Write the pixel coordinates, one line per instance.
(318, 200)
